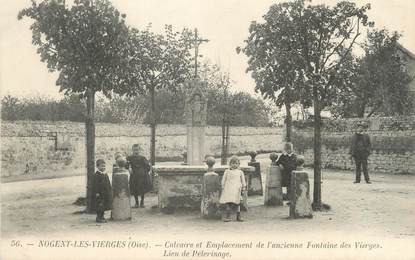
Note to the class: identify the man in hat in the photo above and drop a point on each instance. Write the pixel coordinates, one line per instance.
(359, 151)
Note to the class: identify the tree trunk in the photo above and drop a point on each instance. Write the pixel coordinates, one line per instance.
(361, 107)
(227, 143)
(361, 111)
(317, 151)
(224, 159)
(90, 147)
(225, 129)
(222, 155)
(288, 122)
(153, 128)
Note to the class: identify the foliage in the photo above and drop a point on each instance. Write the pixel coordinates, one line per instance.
(226, 107)
(159, 60)
(303, 124)
(380, 82)
(241, 108)
(40, 108)
(85, 43)
(248, 111)
(299, 44)
(270, 47)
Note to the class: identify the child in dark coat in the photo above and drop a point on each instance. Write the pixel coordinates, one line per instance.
(140, 181)
(287, 162)
(102, 191)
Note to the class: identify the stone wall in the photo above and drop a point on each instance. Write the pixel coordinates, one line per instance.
(30, 147)
(393, 144)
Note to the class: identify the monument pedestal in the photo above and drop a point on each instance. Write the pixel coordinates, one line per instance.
(121, 206)
(196, 114)
(180, 186)
(255, 181)
(300, 203)
(273, 187)
(195, 145)
(211, 189)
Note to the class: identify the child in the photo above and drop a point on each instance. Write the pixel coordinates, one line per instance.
(140, 182)
(102, 191)
(287, 162)
(233, 183)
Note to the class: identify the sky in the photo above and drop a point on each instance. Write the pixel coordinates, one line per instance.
(224, 22)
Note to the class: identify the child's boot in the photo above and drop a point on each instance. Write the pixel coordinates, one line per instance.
(136, 202)
(227, 217)
(100, 217)
(238, 214)
(239, 217)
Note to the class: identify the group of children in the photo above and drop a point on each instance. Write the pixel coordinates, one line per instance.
(233, 182)
(234, 185)
(139, 182)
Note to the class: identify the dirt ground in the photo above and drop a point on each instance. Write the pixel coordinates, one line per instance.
(382, 212)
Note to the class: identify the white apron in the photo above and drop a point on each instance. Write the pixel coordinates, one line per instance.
(232, 183)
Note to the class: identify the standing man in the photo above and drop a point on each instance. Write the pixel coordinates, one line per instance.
(359, 151)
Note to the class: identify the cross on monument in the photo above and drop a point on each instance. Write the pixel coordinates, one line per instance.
(197, 42)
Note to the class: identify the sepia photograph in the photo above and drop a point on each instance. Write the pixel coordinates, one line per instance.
(207, 129)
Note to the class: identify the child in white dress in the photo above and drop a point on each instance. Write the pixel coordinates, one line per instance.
(233, 184)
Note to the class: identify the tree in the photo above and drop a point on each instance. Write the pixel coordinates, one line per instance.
(86, 44)
(10, 108)
(158, 62)
(275, 67)
(229, 109)
(218, 85)
(380, 83)
(320, 39)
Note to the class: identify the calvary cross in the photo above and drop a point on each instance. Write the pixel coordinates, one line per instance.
(197, 42)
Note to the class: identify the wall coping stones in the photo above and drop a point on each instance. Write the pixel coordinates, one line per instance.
(398, 123)
(166, 170)
(44, 128)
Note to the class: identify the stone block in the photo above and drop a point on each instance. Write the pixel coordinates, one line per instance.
(255, 180)
(300, 203)
(180, 186)
(121, 204)
(273, 187)
(210, 196)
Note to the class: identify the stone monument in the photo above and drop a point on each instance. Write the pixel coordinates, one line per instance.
(121, 205)
(254, 180)
(180, 186)
(210, 192)
(195, 113)
(300, 203)
(273, 184)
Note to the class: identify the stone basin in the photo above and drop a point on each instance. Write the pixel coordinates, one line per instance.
(180, 186)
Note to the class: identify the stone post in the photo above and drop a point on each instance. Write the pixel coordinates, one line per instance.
(210, 192)
(254, 179)
(121, 205)
(300, 203)
(195, 114)
(273, 185)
